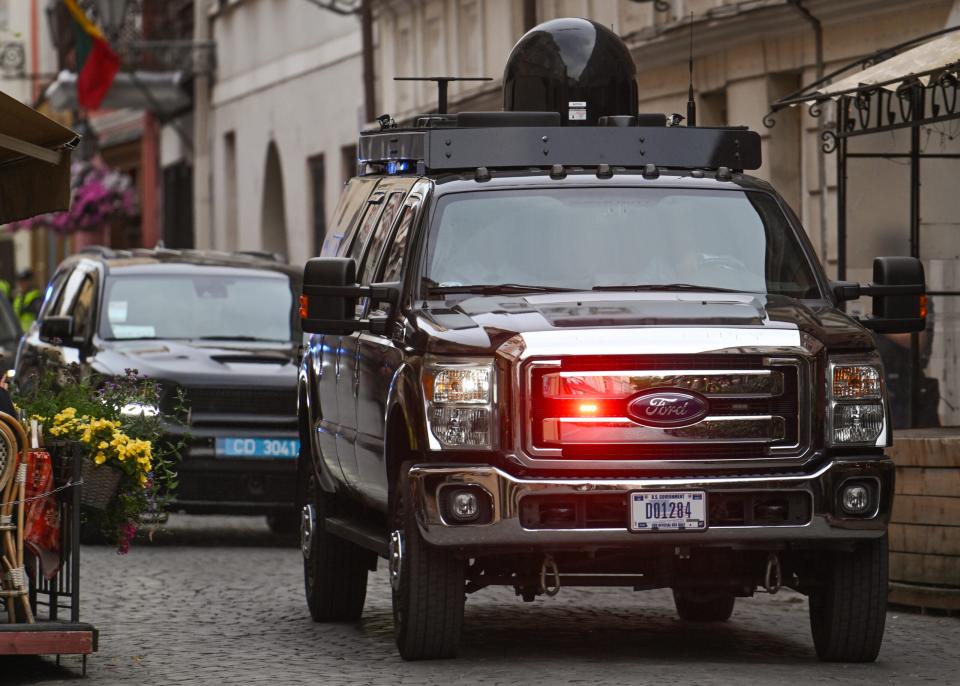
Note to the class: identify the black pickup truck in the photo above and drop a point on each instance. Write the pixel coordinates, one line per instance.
(552, 352)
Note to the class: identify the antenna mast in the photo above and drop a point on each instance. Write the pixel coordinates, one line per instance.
(691, 103)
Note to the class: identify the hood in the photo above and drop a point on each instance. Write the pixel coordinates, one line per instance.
(202, 363)
(482, 324)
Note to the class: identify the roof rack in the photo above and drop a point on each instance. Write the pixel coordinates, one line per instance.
(529, 139)
(101, 250)
(262, 254)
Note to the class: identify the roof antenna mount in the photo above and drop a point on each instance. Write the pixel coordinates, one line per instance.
(691, 103)
(442, 82)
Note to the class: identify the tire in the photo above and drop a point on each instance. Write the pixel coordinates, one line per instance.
(715, 607)
(334, 570)
(284, 523)
(428, 604)
(849, 609)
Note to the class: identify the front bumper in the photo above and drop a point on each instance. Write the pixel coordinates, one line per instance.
(505, 530)
(209, 484)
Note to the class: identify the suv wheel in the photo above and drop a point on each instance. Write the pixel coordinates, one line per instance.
(848, 611)
(713, 607)
(334, 570)
(428, 588)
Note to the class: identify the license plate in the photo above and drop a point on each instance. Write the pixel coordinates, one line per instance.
(258, 447)
(668, 511)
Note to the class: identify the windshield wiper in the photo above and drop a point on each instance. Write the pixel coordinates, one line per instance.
(495, 289)
(237, 338)
(666, 287)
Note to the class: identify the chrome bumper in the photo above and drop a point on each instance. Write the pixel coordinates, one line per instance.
(506, 492)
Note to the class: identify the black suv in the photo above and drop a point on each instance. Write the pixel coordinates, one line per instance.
(579, 347)
(219, 330)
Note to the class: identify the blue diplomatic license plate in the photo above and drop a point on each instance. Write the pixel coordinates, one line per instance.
(258, 447)
(668, 511)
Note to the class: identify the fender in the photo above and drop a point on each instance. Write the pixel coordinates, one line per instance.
(305, 414)
(404, 394)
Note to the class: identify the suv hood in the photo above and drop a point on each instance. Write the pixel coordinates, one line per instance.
(202, 363)
(482, 324)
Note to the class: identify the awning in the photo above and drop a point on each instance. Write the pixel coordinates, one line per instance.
(921, 61)
(160, 92)
(34, 162)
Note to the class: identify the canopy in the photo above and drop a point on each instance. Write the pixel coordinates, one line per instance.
(922, 61)
(34, 162)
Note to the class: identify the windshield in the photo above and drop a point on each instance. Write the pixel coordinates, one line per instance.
(613, 238)
(258, 306)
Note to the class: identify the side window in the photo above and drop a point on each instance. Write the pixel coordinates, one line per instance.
(393, 261)
(362, 234)
(68, 293)
(83, 308)
(52, 292)
(368, 268)
(352, 203)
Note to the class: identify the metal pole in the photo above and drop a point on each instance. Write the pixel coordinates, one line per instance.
(915, 371)
(841, 208)
(821, 122)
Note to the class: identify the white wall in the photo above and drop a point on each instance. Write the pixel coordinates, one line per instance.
(288, 72)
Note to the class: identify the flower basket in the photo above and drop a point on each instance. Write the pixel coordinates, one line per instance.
(100, 484)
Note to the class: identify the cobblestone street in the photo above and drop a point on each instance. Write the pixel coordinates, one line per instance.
(218, 600)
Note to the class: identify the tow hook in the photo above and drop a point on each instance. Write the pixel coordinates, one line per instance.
(308, 529)
(549, 567)
(773, 576)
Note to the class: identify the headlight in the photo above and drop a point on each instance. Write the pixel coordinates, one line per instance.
(460, 403)
(856, 411)
(139, 410)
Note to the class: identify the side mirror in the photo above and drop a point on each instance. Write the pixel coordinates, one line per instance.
(57, 330)
(329, 300)
(899, 295)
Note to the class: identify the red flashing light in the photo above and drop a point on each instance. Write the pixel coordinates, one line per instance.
(304, 305)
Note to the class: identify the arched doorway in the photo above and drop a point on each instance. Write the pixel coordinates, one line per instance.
(273, 219)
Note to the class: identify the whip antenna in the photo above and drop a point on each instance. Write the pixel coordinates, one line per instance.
(691, 103)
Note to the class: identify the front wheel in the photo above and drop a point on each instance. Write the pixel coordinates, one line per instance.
(334, 570)
(848, 610)
(428, 588)
(715, 607)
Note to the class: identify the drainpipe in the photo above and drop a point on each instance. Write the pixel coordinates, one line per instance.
(821, 122)
(529, 14)
(366, 32)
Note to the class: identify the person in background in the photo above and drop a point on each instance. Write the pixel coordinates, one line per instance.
(28, 301)
(6, 402)
(5, 288)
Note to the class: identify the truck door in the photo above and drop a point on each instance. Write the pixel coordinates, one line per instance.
(353, 221)
(378, 360)
(347, 349)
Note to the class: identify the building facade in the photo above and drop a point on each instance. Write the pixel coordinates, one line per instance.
(280, 125)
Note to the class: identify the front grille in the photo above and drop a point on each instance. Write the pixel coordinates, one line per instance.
(610, 511)
(754, 407)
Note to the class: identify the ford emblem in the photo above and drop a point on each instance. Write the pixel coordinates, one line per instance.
(669, 409)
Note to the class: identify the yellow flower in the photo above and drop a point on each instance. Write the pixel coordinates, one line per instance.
(100, 458)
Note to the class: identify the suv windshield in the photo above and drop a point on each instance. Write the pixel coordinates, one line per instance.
(257, 306)
(609, 238)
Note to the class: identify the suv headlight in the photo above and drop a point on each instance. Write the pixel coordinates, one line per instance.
(460, 399)
(855, 389)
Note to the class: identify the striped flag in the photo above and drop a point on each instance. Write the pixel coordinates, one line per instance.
(97, 63)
